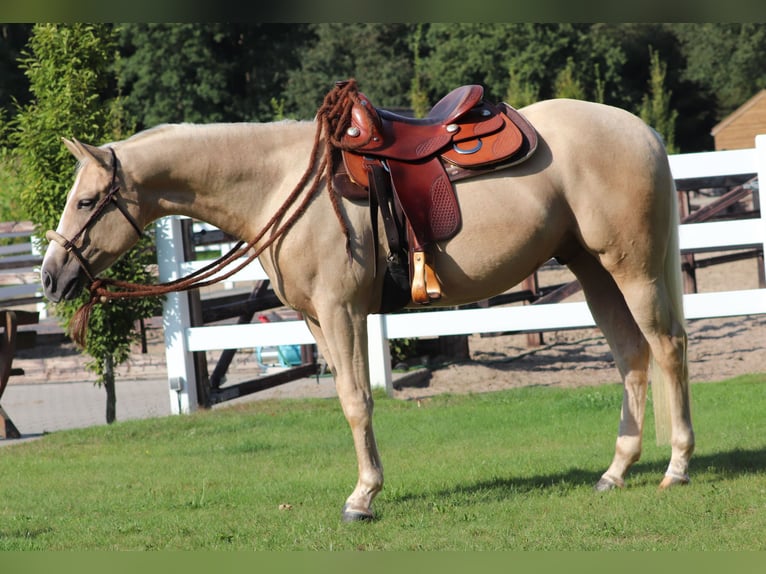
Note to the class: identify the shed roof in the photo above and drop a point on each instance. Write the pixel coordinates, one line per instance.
(739, 112)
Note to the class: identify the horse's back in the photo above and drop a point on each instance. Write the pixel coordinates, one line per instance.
(589, 127)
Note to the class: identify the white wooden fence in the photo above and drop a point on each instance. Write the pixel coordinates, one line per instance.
(181, 339)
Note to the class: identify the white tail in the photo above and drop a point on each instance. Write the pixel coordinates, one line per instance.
(674, 285)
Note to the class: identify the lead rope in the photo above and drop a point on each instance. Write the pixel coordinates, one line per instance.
(333, 116)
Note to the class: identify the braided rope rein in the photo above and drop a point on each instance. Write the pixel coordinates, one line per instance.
(333, 116)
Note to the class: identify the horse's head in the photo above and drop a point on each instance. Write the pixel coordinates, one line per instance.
(99, 223)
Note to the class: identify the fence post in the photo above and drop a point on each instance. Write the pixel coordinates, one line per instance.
(760, 166)
(182, 383)
(379, 354)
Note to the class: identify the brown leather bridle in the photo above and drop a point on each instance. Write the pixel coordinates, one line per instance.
(111, 197)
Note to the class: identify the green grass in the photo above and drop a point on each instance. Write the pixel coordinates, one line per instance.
(511, 470)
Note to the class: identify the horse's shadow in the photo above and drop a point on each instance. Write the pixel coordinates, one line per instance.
(566, 353)
(720, 465)
(716, 331)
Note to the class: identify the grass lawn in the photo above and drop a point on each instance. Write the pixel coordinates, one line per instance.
(511, 470)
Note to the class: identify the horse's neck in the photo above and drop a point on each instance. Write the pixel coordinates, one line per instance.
(230, 175)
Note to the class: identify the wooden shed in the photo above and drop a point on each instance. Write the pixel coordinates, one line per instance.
(738, 130)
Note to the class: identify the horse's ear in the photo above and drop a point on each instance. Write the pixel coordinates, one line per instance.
(73, 149)
(82, 151)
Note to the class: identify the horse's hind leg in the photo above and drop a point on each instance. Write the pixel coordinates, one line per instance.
(631, 355)
(666, 334)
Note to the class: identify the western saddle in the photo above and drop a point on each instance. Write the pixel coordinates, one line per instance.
(406, 166)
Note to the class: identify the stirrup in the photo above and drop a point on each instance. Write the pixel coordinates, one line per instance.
(425, 284)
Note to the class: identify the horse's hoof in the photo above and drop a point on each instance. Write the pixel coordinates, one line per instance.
(606, 484)
(671, 480)
(351, 515)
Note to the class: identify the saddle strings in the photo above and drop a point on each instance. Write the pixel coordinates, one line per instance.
(333, 117)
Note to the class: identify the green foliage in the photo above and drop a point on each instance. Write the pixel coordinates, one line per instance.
(599, 89)
(377, 55)
(172, 74)
(401, 350)
(656, 110)
(520, 93)
(418, 96)
(68, 67)
(567, 85)
(511, 470)
(205, 72)
(470, 54)
(725, 60)
(278, 108)
(11, 186)
(519, 61)
(13, 88)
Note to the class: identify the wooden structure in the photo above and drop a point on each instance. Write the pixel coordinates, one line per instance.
(19, 288)
(721, 209)
(738, 130)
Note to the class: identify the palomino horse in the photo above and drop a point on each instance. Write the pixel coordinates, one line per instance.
(597, 195)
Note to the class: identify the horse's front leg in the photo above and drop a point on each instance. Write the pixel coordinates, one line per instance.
(341, 337)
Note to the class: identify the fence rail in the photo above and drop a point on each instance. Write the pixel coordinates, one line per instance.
(19, 259)
(182, 339)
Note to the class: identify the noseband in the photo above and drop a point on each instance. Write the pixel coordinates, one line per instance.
(111, 197)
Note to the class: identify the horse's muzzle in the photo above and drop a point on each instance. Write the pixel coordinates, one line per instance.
(61, 281)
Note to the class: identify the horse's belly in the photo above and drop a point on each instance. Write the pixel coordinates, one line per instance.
(483, 277)
(502, 241)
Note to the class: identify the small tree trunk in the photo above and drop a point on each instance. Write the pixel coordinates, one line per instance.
(111, 395)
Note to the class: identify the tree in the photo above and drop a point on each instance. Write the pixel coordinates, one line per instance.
(13, 86)
(655, 107)
(725, 61)
(690, 98)
(474, 53)
(378, 55)
(170, 73)
(418, 96)
(524, 62)
(520, 93)
(206, 72)
(567, 84)
(11, 185)
(68, 67)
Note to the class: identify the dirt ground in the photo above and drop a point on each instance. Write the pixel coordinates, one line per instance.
(718, 349)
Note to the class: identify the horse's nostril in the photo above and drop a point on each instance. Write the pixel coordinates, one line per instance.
(47, 280)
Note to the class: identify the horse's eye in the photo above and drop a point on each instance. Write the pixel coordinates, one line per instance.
(86, 203)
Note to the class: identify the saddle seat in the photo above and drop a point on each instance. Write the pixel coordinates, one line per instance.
(448, 109)
(415, 161)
